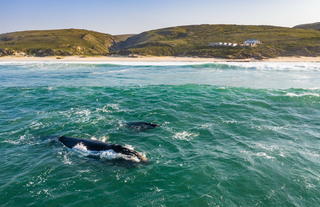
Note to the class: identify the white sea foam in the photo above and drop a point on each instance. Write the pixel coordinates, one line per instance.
(268, 147)
(302, 94)
(82, 149)
(111, 71)
(80, 146)
(85, 112)
(206, 126)
(43, 192)
(36, 125)
(282, 66)
(184, 135)
(313, 155)
(111, 154)
(279, 66)
(263, 154)
(66, 160)
(257, 154)
(10, 141)
(109, 108)
(274, 149)
(271, 128)
(229, 121)
(107, 154)
(16, 142)
(102, 139)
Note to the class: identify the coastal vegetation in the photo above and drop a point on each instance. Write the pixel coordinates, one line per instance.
(193, 40)
(56, 43)
(315, 26)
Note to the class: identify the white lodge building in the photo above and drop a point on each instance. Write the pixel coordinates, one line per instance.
(247, 43)
(251, 42)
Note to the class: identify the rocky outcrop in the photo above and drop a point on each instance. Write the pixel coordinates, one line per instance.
(40, 52)
(6, 52)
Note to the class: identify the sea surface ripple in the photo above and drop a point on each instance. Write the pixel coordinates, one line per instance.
(232, 134)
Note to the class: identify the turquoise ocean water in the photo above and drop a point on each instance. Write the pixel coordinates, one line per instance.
(232, 134)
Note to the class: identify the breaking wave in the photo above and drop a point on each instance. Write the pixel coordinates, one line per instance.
(278, 66)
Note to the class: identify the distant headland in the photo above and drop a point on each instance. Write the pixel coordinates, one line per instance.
(206, 41)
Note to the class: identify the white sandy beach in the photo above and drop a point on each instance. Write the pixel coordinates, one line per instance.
(150, 59)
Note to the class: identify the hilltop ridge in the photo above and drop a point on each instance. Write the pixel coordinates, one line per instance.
(192, 40)
(315, 26)
(195, 40)
(56, 42)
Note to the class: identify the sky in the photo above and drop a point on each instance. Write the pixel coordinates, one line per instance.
(135, 16)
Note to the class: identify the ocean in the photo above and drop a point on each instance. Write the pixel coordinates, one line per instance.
(231, 134)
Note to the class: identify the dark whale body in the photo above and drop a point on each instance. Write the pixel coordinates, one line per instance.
(141, 126)
(98, 146)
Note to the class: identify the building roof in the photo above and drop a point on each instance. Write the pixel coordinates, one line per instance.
(252, 40)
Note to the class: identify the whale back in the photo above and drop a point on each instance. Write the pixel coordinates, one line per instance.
(140, 125)
(92, 145)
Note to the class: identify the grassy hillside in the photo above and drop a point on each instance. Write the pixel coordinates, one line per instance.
(193, 41)
(123, 37)
(175, 41)
(315, 26)
(56, 42)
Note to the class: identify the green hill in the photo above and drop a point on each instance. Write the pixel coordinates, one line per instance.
(315, 26)
(194, 41)
(122, 37)
(56, 42)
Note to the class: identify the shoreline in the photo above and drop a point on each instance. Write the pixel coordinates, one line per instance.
(150, 59)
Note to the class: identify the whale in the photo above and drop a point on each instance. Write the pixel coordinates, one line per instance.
(98, 149)
(141, 125)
